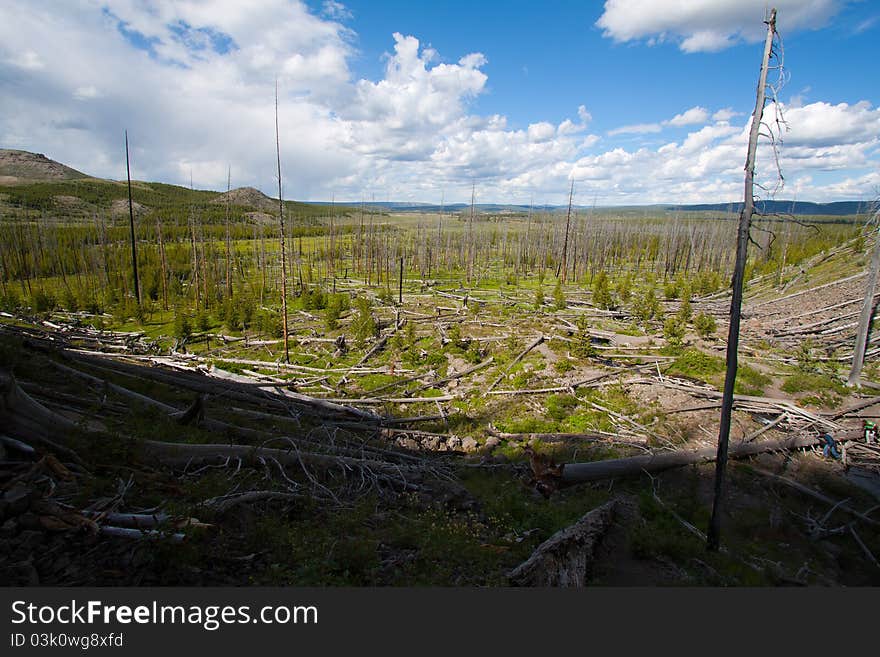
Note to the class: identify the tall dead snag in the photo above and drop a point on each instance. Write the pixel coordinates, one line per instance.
(164, 263)
(470, 246)
(865, 316)
(134, 260)
(563, 264)
(228, 238)
(281, 223)
(742, 243)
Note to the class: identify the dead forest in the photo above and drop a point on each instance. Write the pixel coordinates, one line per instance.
(206, 388)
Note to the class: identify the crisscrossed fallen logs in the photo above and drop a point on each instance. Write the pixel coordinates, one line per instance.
(806, 490)
(230, 386)
(864, 456)
(26, 419)
(796, 414)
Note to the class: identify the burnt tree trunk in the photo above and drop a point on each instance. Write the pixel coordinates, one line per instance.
(742, 243)
(865, 316)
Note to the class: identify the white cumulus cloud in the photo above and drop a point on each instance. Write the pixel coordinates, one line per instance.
(707, 25)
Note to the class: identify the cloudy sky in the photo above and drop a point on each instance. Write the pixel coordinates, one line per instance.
(637, 101)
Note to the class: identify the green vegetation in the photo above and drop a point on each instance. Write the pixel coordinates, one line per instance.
(697, 364)
(705, 326)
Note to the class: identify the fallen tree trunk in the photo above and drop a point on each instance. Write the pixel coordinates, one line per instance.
(806, 490)
(566, 558)
(29, 420)
(575, 473)
(566, 437)
(522, 354)
(195, 412)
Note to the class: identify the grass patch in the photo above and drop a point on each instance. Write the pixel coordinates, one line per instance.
(750, 381)
(696, 364)
(812, 382)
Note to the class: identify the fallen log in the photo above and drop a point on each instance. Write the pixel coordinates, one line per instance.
(566, 437)
(223, 504)
(575, 473)
(194, 414)
(856, 407)
(816, 495)
(28, 420)
(458, 375)
(566, 558)
(522, 354)
(327, 406)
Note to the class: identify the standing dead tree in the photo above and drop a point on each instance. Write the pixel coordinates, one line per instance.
(865, 316)
(228, 237)
(134, 261)
(742, 242)
(563, 263)
(281, 224)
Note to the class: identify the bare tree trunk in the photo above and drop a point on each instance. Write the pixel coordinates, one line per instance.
(865, 317)
(281, 223)
(164, 263)
(134, 261)
(228, 240)
(564, 262)
(742, 242)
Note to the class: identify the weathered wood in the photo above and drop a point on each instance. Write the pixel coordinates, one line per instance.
(525, 351)
(185, 416)
(26, 419)
(742, 243)
(873, 401)
(458, 375)
(635, 465)
(865, 315)
(566, 437)
(806, 490)
(566, 558)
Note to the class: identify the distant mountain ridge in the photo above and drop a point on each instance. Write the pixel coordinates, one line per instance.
(19, 167)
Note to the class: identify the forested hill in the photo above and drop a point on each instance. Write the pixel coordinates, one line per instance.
(838, 208)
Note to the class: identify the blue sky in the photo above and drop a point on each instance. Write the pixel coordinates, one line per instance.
(638, 101)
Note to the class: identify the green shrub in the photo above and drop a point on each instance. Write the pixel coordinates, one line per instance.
(646, 306)
(336, 303)
(694, 362)
(601, 291)
(558, 296)
(539, 297)
(623, 288)
(563, 365)
(806, 361)
(582, 347)
(705, 325)
(10, 301)
(559, 407)
(685, 312)
(810, 382)
(674, 331)
(43, 302)
(182, 327)
(363, 326)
